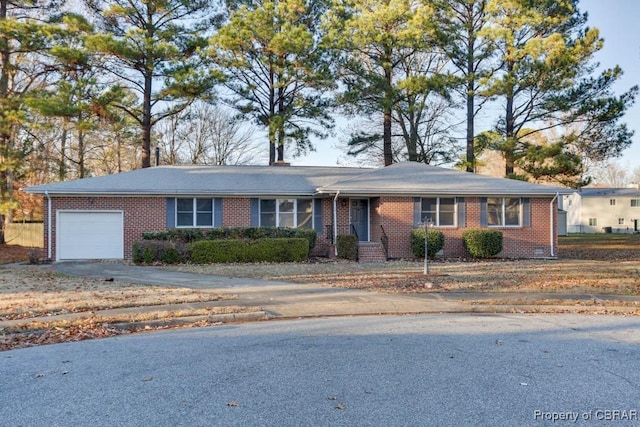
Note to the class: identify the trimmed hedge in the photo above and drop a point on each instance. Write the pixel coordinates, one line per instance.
(347, 246)
(482, 243)
(435, 241)
(190, 235)
(152, 251)
(261, 250)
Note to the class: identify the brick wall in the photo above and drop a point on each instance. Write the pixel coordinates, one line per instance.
(141, 214)
(236, 212)
(394, 214)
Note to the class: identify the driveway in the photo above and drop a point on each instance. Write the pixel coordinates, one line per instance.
(278, 299)
(445, 370)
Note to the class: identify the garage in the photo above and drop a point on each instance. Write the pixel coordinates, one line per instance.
(90, 235)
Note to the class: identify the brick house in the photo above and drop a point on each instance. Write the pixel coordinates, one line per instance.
(101, 217)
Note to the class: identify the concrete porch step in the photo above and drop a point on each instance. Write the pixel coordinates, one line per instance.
(371, 252)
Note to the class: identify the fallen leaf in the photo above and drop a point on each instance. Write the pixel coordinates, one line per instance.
(233, 403)
(332, 398)
(147, 379)
(341, 406)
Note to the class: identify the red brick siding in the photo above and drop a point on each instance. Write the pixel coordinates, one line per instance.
(236, 212)
(141, 214)
(395, 214)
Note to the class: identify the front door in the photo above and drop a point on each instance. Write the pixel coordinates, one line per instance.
(635, 225)
(359, 218)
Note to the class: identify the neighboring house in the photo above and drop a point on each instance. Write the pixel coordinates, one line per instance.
(598, 210)
(101, 217)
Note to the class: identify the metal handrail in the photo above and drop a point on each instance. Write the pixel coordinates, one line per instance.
(329, 233)
(384, 239)
(355, 233)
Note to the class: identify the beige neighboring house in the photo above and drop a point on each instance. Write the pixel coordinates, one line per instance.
(603, 210)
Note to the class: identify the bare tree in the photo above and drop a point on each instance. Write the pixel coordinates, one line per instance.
(207, 135)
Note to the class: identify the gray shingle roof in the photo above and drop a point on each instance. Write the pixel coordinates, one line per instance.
(206, 180)
(400, 179)
(609, 192)
(412, 178)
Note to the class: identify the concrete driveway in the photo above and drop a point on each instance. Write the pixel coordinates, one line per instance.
(426, 370)
(277, 299)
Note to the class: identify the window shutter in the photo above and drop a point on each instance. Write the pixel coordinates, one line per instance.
(171, 212)
(417, 211)
(217, 212)
(526, 212)
(317, 216)
(484, 222)
(255, 212)
(462, 214)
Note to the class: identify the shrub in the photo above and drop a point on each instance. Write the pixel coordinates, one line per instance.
(482, 243)
(435, 242)
(261, 250)
(167, 252)
(190, 235)
(347, 246)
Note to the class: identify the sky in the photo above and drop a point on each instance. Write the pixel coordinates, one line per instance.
(617, 21)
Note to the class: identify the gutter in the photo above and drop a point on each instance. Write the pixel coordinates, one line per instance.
(46, 193)
(335, 223)
(551, 224)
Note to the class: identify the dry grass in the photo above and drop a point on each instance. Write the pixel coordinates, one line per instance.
(34, 291)
(601, 264)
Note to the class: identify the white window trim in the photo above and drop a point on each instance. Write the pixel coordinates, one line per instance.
(194, 201)
(503, 212)
(437, 223)
(295, 211)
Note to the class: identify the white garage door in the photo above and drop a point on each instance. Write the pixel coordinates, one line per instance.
(90, 235)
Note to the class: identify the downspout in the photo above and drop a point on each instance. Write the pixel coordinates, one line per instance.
(335, 223)
(46, 193)
(551, 224)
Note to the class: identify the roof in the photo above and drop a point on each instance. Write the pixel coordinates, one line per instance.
(411, 178)
(609, 192)
(408, 178)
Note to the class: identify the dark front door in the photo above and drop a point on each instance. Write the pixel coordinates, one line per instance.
(359, 218)
(635, 225)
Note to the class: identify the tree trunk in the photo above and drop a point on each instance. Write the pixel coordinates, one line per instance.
(146, 121)
(281, 122)
(509, 147)
(4, 126)
(81, 171)
(471, 80)
(387, 119)
(62, 166)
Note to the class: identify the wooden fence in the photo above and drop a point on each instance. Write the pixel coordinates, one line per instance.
(29, 234)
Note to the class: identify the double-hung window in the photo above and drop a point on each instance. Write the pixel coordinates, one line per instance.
(440, 211)
(504, 211)
(635, 203)
(293, 213)
(194, 212)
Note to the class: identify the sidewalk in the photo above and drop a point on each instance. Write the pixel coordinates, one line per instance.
(265, 300)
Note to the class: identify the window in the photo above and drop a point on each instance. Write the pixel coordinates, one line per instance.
(293, 213)
(620, 221)
(194, 212)
(612, 202)
(635, 203)
(593, 222)
(440, 210)
(503, 211)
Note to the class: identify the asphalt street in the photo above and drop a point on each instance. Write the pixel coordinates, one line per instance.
(415, 370)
